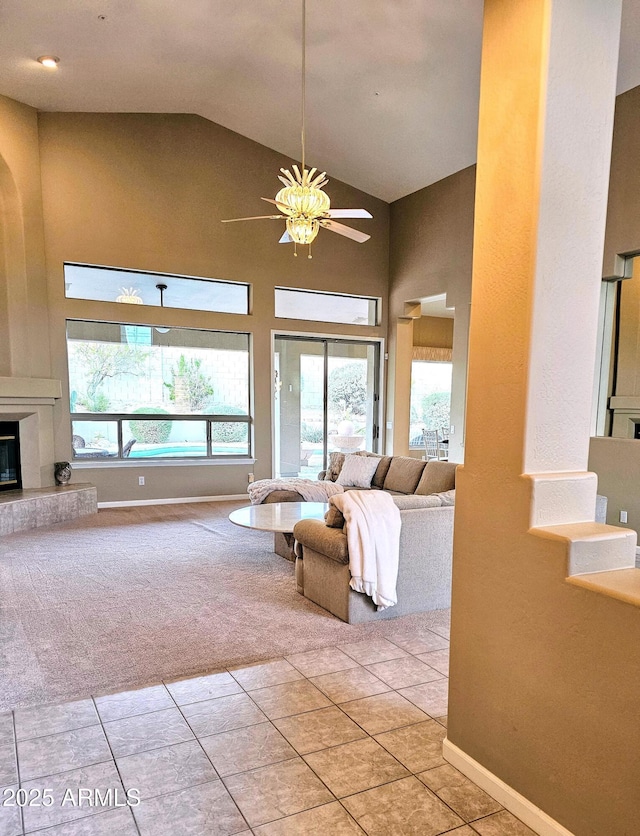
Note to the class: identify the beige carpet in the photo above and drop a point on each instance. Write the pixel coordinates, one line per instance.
(132, 596)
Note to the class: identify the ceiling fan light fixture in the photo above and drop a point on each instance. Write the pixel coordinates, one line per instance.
(130, 296)
(305, 207)
(307, 201)
(302, 230)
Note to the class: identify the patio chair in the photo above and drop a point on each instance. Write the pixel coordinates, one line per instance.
(433, 445)
(127, 448)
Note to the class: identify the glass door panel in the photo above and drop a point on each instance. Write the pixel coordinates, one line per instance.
(299, 407)
(325, 399)
(352, 396)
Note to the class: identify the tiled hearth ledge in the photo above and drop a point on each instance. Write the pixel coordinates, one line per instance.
(35, 507)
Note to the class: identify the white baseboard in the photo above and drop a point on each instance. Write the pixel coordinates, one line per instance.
(174, 500)
(521, 807)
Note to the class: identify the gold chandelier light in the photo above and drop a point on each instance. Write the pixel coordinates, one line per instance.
(302, 195)
(130, 296)
(304, 205)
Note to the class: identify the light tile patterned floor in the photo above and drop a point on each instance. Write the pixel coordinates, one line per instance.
(336, 742)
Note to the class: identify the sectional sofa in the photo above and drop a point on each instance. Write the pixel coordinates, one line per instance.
(424, 493)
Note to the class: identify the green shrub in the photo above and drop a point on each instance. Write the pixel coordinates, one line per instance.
(150, 432)
(227, 433)
(98, 402)
(348, 389)
(310, 433)
(189, 384)
(436, 410)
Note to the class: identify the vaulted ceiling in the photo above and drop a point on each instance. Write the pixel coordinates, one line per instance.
(392, 85)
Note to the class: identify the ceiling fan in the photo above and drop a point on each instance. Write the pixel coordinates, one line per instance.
(304, 206)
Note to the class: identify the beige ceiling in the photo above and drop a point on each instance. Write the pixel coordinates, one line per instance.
(392, 84)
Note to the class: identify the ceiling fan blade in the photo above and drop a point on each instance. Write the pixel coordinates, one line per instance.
(286, 238)
(349, 213)
(254, 218)
(277, 203)
(347, 231)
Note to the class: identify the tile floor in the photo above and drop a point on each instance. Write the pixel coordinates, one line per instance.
(336, 742)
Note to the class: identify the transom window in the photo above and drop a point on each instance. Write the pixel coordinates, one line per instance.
(113, 284)
(139, 392)
(321, 306)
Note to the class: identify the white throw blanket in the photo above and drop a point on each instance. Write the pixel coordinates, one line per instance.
(373, 537)
(311, 490)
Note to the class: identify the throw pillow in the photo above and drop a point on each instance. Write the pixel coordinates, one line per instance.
(334, 518)
(384, 462)
(357, 471)
(437, 477)
(336, 460)
(381, 471)
(404, 474)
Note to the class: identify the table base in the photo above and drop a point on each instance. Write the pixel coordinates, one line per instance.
(283, 545)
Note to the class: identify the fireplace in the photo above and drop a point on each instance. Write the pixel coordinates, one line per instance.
(10, 478)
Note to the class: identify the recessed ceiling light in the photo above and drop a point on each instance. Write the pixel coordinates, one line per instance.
(49, 61)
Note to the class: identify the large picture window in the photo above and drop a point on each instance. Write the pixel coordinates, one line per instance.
(138, 392)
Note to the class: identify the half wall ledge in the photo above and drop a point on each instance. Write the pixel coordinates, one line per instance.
(623, 584)
(37, 507)
(600, 558)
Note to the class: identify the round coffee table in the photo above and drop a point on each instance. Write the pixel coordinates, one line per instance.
(279, 517)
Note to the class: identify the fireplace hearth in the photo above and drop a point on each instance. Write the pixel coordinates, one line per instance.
(10, 478)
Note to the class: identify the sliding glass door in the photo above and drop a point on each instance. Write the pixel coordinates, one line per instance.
(326, 399)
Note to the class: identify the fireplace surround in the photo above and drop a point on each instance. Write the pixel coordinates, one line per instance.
(10, 472)
(28, 405)
(30, 402)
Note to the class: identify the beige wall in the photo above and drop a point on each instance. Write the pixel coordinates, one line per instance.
(24, 348)
(623, 212)
(617, 463)
(148, 192)
(435, 331)
(431, 250)
(24, 332)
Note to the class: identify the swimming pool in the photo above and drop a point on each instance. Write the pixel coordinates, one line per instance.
(184, 451)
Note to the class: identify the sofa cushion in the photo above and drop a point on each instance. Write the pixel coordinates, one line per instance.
(404, 474)
(381, 472)
(447, 497)
(437, 477)
(357, 471)
(408, 502)
(336, 460)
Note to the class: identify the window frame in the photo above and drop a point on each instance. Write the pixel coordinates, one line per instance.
(209, 418)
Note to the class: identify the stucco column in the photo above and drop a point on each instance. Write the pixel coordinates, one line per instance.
(529, 674)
